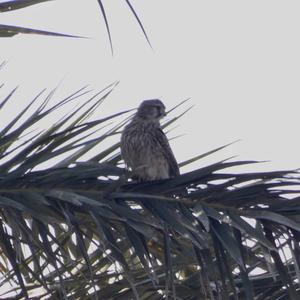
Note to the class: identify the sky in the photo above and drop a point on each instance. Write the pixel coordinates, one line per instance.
(237, 61)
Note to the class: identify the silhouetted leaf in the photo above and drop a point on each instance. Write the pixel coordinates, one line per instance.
(10, 30)
(18, 4)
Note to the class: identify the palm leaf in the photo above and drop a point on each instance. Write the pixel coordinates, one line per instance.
(18, 4)
(75, 227)
(10, 30)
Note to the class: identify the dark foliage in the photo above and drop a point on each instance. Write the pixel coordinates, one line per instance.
(10, 30)
(73, 227)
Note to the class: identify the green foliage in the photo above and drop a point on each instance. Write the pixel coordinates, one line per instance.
(73, 225)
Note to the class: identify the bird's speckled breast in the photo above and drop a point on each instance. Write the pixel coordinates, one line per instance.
(142, 152)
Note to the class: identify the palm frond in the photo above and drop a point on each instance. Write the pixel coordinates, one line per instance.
(106, 24)
(18, 4)
(75, 227)
(10, 30)
(104, 15)
(139, 21)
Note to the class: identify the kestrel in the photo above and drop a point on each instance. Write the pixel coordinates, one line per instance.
(144, 146)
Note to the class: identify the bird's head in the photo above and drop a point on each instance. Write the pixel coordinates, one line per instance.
(152, 109)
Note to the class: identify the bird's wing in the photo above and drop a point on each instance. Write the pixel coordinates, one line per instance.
(167, 152)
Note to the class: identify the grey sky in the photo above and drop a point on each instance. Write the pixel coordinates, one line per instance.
(237, 60)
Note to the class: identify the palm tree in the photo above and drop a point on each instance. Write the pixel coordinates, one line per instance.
(74, 227)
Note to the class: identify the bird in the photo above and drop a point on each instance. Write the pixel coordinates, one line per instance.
(145, 148)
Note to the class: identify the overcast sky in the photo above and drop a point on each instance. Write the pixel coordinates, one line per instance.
(238, 61)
